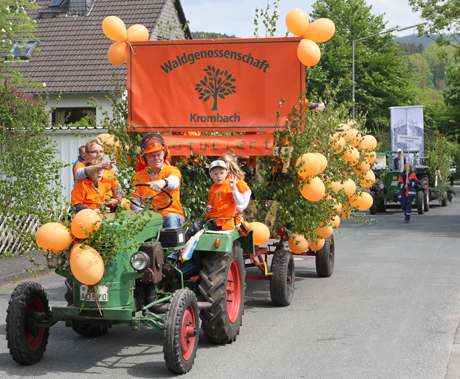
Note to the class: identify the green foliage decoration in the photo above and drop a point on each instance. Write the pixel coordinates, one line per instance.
(116, 233)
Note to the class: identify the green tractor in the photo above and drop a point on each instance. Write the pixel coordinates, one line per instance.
(386, 187)
(147, 285)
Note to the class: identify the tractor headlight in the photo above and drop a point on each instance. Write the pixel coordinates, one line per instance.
(139, 261)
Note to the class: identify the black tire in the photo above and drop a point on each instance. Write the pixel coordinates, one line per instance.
(222, 321)
(282, 281)
(419, 201)
(181, 332)
(426, 200)
(90, 329)
(26, 343)
(382, 206)
(325, 258)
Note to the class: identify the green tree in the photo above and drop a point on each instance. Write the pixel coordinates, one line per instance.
(442, 15)
(381, 73)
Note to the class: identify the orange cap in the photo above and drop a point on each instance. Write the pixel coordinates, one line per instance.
(153, 147)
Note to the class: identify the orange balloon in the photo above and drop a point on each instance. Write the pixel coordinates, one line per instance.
(260, 233)
(352, 136)
(53, 237)
(344, 126)
(114, 28)
(371, 157)
(117, 53)
(362, 167)
(337, 142)
(363, 201)
(297, 21)
(308, 164)
(320, 30)
(368, 143)
(324, 231)
(351, 155)
(318, 245)
(297, 244)
(368, 179)
(308, 53)
(349, 186)
(336, 186)
(313, 189)
(84, 223)
(86, 265)
(323, 161)
(138, 32)
(335, 222)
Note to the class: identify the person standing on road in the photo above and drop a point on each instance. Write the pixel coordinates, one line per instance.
(407, 189)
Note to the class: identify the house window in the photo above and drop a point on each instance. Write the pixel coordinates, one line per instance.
(23, 50)
(67, 116)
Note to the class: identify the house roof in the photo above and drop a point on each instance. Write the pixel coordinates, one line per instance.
(72, 52)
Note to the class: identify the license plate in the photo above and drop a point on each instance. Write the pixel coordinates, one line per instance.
(90, 295)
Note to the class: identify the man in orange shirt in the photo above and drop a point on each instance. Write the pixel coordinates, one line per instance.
(160, 176)
(226, 197)
(88, 193)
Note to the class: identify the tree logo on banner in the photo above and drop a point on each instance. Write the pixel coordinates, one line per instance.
(217, 83)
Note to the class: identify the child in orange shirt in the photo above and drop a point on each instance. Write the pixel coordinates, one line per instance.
(92, 194)
(228, 196)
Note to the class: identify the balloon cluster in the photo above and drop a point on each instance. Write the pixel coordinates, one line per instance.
(320, 30)
(115, 29)
(86, 264)
(358, 152)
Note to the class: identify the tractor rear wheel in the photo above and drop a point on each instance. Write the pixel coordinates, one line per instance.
(420, 201)
(91, 329)
(373, 208)
(26, 341)
(324, 259)
(181, 332)
(444, 199)
(283, 278)
(222, 283)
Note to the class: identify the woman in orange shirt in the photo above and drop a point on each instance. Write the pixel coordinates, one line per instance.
(228, 196)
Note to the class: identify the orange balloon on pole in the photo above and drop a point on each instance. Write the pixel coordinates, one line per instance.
(308, 52)
(320, 30)
(336, 186)
(260, 233)
(313, 189)
(53, 237)
(117, 53)
(363, 201)
(114, 28)
(297, 244)
(86, 265)
(323, 161)
(371, 157)
(297, 21)
(138, 32)
(84, 223)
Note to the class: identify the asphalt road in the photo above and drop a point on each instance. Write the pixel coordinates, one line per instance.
(390, 310)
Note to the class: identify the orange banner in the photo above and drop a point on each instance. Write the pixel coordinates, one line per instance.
(244, 145)
(216, 85)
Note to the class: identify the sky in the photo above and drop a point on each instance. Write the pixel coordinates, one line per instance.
(235, 17)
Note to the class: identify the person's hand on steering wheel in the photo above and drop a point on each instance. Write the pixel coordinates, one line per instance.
(158, 185)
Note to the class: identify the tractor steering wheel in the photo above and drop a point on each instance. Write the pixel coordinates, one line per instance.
(162, 192)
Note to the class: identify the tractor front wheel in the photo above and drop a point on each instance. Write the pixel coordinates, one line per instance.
(325, 259)
(181, 332)
(283, 278)
(426, 200)
(222, 283)
(27, 341)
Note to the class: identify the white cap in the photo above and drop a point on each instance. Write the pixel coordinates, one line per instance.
(399, 150)
(218, 163)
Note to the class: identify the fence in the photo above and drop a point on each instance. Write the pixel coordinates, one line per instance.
(10, 241)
